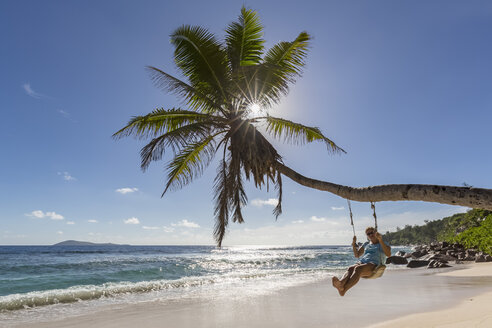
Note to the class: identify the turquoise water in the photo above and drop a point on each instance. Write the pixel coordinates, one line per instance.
(37, 276)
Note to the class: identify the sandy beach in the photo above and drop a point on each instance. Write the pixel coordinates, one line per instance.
(474, 311)
(452, 297)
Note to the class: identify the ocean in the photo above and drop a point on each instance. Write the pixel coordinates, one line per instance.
(42, 282)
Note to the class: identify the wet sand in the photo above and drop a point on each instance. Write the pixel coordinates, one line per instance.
(396, 295)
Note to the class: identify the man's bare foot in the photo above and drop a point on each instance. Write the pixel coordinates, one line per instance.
(338, 285)
(336, 282)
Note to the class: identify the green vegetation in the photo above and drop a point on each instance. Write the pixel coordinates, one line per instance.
(472, 229)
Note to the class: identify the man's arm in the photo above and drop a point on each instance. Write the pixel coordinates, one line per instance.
(357, 252)
(386, 248)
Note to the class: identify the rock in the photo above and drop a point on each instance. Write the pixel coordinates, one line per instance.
(488, 258)
(437, 264)
(417, 263)
(480, 258)
(400, 253)
(418, 254)
(426, 257)
(451, 252)
(443, 258)
(471, 252)
(396, 260)
(457, 246)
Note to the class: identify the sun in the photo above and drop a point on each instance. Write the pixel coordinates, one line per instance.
(254, 109)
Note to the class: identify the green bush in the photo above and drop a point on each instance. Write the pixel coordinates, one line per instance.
(473, 229)
(477, 237)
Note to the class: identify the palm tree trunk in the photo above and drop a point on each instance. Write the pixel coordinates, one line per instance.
(464, 196)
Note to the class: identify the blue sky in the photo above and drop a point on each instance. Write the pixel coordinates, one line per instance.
(404, 87)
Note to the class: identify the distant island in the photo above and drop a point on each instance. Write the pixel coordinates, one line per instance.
(85, 243)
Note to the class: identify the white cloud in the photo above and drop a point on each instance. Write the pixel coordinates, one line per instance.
(70, 222)
(126, 190)
(298, 221)
(132, 221)
(337, 208)
(150, 228)
(168, 229)
(60, 232)
(66, 176)
(317, 219)
(38, 214)
(185, 223)
(260, 202)
(92, 221)
(31, 93)
(54, 216)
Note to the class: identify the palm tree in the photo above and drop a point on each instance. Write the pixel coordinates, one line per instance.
(227, 83)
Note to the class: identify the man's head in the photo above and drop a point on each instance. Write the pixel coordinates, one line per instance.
(371, 234)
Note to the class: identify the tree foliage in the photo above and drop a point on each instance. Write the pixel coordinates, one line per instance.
(472, 229)
(222, 82)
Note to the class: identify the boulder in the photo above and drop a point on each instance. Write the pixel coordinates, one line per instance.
(396, 260)
(400, 253)
(417, 263)
(437, 264)
(418, 254)
(457, 246)
(451, 252)
(480, 258)
(443, 258)
(488, 258)
(471, 252)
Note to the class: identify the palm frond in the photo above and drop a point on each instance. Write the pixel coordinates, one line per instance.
(278, 185)
(175, 139)
(190, 163)
(234, 180)
(192, 96)
(201, 59)
(161, 121)
(297, 133)
(222, 201)
(282, 63)
(243, 40)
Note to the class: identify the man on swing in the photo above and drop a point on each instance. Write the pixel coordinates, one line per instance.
(370, 254)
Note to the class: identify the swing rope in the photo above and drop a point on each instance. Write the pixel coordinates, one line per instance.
(351, 218)
(373, 206)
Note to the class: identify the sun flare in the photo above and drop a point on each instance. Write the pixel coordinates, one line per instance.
(254, 109)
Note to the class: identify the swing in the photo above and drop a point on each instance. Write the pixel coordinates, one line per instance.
(379, 270)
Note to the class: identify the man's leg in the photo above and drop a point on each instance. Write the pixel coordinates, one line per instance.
(347, 274)
(361, 270)
(339, 283)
